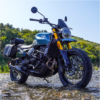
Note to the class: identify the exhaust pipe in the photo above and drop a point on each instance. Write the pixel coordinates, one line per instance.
(17, 68)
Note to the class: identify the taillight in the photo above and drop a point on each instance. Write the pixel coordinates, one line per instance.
(8, 63)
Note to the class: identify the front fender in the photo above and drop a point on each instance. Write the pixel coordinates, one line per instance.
(68, 40)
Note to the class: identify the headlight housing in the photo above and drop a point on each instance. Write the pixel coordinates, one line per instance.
(66, 33)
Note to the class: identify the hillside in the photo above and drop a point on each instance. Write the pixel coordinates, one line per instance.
(8, 31)
(91, 48)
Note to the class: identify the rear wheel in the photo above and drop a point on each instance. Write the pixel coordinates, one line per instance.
(79, 72)
(18, 77)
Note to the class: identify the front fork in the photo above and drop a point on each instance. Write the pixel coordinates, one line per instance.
(58, 42)
(60, 47)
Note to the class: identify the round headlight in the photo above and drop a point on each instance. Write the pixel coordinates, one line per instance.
(66, 33)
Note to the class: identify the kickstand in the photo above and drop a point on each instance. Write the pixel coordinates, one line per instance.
(46, 80)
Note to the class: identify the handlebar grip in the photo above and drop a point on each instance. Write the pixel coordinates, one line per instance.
(33, 19)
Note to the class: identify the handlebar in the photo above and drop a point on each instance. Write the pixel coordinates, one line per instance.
(41, 21)
(33, 19)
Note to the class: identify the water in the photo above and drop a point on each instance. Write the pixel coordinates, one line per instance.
(38, 89)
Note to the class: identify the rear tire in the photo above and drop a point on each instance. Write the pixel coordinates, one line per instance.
(22, 79)
(87, 69)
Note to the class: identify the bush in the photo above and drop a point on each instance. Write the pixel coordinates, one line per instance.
(4, 69)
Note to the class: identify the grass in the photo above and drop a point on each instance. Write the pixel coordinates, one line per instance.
(4, 68)
(96, 68)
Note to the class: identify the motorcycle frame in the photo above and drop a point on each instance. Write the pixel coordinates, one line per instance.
(63, 53)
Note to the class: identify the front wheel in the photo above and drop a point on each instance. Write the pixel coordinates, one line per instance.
(79, 72)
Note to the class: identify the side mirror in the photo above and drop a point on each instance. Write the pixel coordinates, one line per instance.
(65, 18)
(34, 9)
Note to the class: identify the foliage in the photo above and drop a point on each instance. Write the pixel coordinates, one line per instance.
(4, 68)
(91, 48)
(8, 31)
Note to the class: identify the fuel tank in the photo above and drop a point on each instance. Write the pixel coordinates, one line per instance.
(42, 39)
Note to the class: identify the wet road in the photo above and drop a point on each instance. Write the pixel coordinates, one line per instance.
(39, 89)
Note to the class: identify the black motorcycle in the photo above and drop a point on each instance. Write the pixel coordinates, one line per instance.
(46, 56)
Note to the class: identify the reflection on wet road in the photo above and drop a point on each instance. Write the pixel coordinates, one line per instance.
(37, 89)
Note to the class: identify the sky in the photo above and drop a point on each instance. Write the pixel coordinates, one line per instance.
(82, 15)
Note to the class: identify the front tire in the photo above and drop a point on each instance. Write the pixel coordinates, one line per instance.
(66, 77)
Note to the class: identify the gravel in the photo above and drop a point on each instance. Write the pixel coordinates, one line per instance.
(39, 89)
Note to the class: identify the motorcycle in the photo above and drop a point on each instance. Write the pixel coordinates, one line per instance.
(46, 56)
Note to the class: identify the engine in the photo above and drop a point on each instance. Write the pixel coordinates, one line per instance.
(38, 56)
(40, 62)
(37, 61)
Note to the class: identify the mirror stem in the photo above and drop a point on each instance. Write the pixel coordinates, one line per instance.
(41, 14)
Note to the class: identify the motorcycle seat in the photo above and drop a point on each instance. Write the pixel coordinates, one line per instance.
(23, 46)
